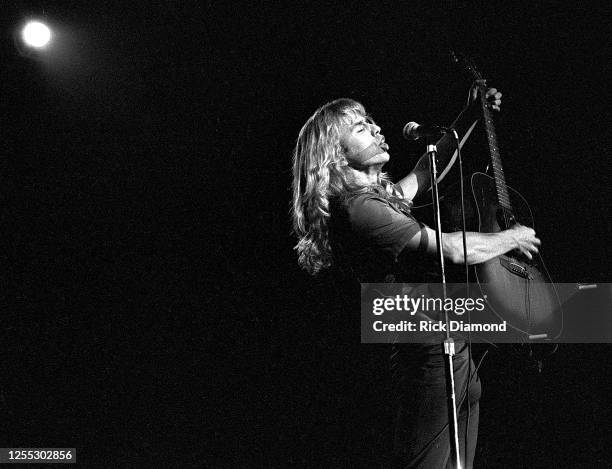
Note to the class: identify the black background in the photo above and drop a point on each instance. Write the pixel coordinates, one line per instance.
(152, 305)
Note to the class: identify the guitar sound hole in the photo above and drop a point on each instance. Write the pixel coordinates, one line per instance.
(505, 219)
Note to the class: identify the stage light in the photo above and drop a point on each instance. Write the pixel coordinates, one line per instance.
(36, 34)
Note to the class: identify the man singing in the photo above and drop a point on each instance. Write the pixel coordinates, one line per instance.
(347, 212)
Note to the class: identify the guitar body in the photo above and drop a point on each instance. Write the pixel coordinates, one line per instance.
(516, 289)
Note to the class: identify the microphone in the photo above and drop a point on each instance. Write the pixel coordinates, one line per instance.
(414, 131)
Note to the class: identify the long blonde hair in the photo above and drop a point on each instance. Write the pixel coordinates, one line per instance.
(321, 174)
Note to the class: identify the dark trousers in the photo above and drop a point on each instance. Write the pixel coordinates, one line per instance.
(421, 437)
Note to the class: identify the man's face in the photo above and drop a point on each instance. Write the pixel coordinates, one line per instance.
(363, 143)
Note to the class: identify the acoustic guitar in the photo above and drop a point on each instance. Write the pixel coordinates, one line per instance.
(517, 290)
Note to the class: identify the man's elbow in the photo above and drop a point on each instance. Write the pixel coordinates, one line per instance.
(452, 251)
(457, 257)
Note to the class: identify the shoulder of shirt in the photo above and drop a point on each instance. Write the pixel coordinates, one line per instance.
(359, 200)
(365, 210)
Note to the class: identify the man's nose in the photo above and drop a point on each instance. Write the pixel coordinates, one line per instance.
(374, 129)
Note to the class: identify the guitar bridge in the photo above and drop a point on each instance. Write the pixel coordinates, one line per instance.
(514, 267)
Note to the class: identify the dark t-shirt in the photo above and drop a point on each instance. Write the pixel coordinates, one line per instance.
(374, 239)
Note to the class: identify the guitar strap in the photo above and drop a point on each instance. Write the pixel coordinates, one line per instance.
(454, 157)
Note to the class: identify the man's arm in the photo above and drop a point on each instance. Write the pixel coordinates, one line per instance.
(481, 247)
(418, 180)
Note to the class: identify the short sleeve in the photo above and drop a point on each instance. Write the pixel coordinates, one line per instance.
(398, 190)
(379, 224)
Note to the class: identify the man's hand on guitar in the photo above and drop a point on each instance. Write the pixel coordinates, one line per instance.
(526, 240)
(492, 96)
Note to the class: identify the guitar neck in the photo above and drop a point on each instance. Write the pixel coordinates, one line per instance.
(503, 198)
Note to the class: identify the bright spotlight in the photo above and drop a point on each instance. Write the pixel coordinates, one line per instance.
(36, 34)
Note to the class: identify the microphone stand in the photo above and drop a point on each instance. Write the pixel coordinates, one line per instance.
(449, 343)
